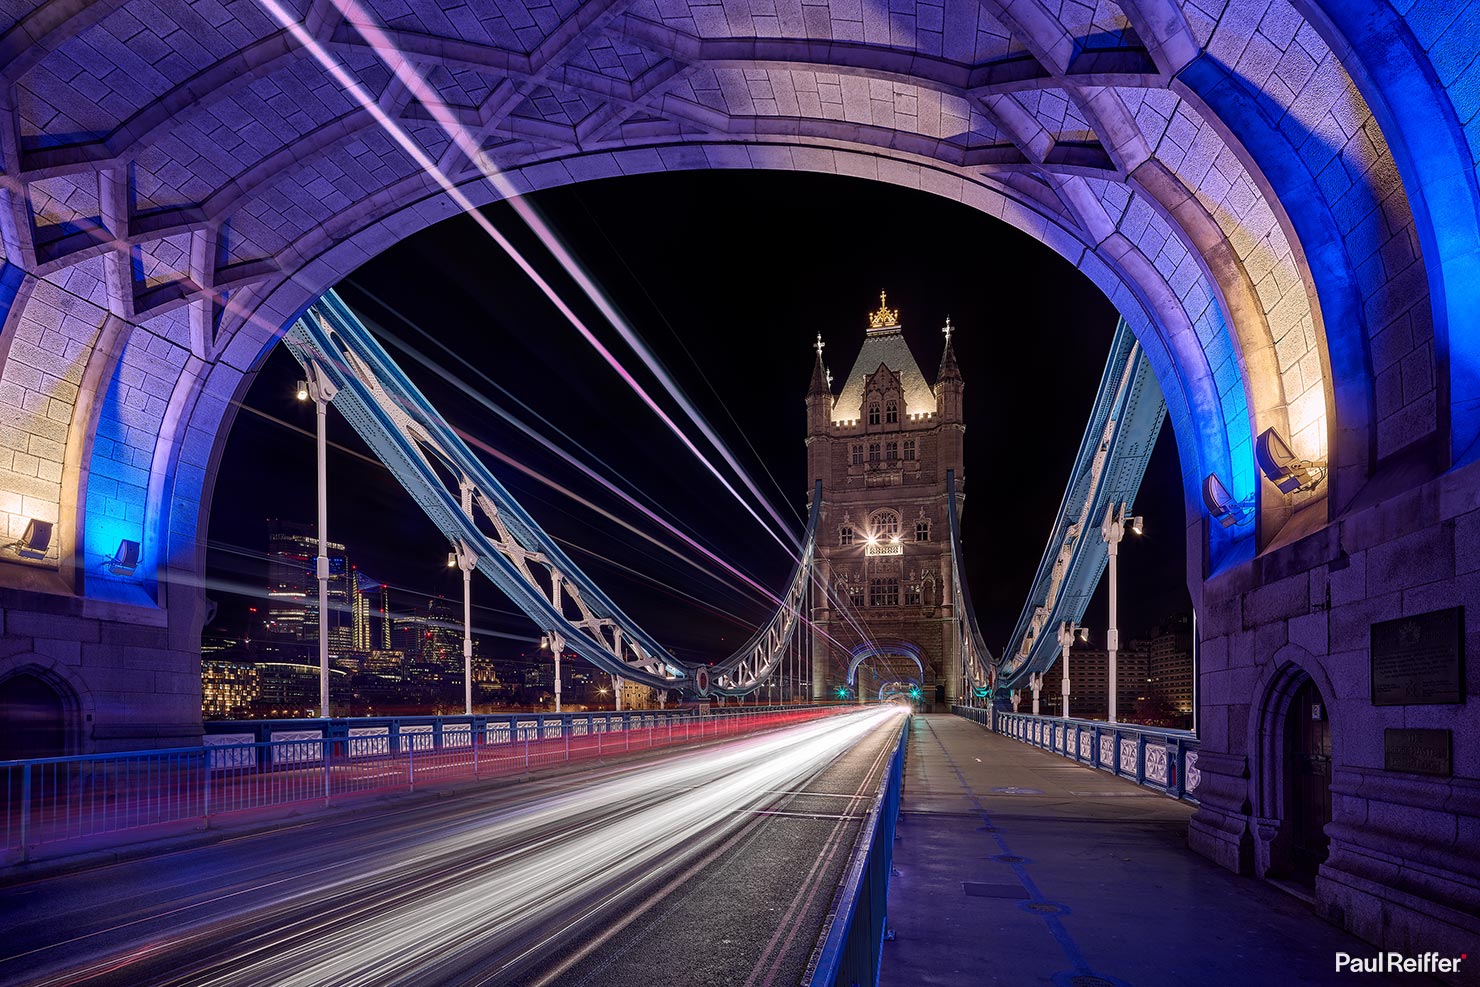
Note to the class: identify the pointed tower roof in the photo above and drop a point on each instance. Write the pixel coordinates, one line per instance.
(884, 344)
(821, 379)
(949, 371)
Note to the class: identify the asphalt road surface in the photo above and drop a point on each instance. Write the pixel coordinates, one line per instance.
(709, 866)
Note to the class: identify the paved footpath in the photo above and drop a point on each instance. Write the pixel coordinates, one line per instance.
(1015, 866)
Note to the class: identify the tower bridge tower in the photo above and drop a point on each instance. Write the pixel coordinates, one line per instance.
(881, 447)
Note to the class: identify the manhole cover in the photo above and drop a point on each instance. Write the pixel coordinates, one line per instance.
(994, 890)
(1070, 978)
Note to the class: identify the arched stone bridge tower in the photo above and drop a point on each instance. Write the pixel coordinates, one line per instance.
(881, 448)
(1279, 196)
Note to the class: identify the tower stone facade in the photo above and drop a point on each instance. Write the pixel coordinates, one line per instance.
(882, 447)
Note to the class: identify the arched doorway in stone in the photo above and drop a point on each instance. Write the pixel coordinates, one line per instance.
(34, 717)
(1307, 782)
(1292, 736)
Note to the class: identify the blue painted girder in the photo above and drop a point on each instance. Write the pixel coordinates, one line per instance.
(1124, 423)
(433, 464)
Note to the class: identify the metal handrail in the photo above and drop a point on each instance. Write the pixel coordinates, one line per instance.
(1159, 758)
(849, 952)
(57, 799)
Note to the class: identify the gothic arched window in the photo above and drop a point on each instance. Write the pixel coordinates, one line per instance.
(873, 413)
(891, 412)
(845, 534)
(922, 530)
(909, 450)
(884, 525)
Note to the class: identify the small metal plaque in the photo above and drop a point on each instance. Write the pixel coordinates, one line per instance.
(1419, 660)
(1423, 752)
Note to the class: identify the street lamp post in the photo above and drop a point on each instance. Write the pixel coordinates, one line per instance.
(556, 644)
(1068, 634)
(321, 391)
(465, 560)
(1114, 529)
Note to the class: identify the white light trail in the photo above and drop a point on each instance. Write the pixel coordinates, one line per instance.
(427, 910)
(407, 75)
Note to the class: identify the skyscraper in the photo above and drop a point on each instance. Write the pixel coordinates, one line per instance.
(291, 625)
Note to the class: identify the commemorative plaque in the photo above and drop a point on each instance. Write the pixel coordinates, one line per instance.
(1419, 660)
(1424, 752)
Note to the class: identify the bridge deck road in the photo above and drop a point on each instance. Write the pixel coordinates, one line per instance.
(714, 865)
(1017, 867)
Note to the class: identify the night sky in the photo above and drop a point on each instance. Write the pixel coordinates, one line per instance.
(728, 277)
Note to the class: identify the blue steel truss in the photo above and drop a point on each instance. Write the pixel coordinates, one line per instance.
(977, 668)
(482, 520)
(1123, 426)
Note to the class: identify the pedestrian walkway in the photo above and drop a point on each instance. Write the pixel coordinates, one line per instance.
(1017, 867)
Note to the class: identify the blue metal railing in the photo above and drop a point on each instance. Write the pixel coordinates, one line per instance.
(852, 942)
(59, 799)
(1158, 758)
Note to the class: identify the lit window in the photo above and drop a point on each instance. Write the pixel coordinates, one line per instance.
(855, 595)
(909, 450)
(858, 455)
(883, 592)
(885, 525)
(873, 414)
(891, 451)
(891, 413)
(912, 595)
(922, 531)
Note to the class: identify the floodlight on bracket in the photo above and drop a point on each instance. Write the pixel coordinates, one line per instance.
(1287, 471)
(1221, 506)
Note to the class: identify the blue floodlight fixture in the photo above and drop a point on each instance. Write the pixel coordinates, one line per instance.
(125, 560)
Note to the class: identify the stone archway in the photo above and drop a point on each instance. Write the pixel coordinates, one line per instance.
(1177, 177)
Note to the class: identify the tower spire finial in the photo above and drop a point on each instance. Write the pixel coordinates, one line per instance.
(819, 345)
(948, 329)
(884, 317)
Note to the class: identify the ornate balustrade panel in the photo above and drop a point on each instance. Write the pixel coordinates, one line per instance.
(1161, 759)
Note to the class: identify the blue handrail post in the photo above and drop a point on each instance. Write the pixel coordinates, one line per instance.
(25, 813)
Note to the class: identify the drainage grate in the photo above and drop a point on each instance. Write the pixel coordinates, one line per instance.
(1007, 858)
(1045, 907)
(1090, 980)
(993, 890)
